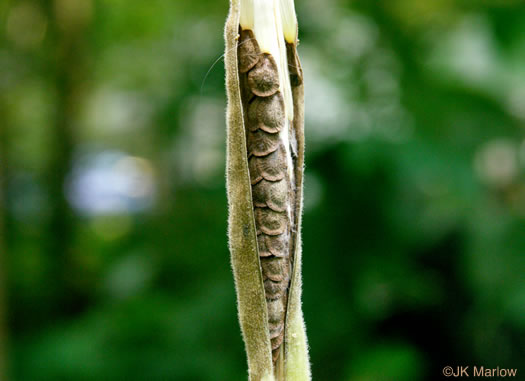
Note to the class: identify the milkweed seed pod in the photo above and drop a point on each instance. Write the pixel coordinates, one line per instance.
(265, 159)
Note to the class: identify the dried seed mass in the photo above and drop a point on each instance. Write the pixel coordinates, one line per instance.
(273, 188)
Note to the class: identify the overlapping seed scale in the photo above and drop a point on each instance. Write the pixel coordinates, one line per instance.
(275, 311)
(273, 245)
(276, 328)
(275, 354)
(264, 250)
(263, 78)
(275, 268)
(255, 175)
(267, 113)
(273, 194)
(261, 143)
(273, 166)
(276, 321)
(274, 290)
(249, 52)
(277, 245)
(276, 343)
(270, 222)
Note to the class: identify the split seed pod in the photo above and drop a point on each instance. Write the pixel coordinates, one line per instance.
(265, 160)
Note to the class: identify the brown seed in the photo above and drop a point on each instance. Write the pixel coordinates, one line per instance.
(271, 194)
(274, 290)
(249, 52)
(261, 143)
(276, 343)
(273, 166)
(264, 251)
(273, 245)
(263, 79)
(276, 328)
(255, 175)
(275, 311)
(267, 113)
(269, 222)
(275, 268)
(278, 244)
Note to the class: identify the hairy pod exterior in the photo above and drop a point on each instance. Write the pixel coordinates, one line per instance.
(265, 159)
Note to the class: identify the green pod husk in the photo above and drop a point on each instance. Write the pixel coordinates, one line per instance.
(251, 303)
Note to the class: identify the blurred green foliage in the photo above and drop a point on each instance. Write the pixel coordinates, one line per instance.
(112, 128)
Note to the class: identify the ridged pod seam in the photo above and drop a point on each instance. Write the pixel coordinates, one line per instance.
(251, 302)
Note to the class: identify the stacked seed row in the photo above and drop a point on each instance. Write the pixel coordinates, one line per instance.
(271, 184)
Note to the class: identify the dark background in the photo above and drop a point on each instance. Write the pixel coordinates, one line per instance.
(113, 212)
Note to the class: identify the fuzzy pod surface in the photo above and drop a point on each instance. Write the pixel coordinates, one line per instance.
(264, 171)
